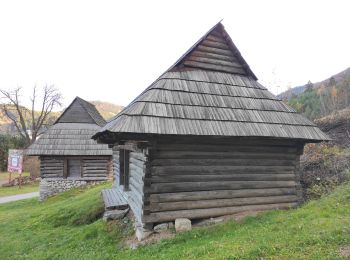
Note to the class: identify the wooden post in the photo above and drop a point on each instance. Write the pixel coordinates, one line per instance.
(19, 180)
(65, 168)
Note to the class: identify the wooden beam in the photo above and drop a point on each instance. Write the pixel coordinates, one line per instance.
(219, 194)
(212, 212)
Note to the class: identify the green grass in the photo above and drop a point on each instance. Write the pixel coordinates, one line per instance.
(5, 175)
(14, 190)
(68, 227)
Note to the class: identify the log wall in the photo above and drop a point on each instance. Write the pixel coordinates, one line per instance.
(134, 194)
(203, 179)
(51, 167)
(92, 168)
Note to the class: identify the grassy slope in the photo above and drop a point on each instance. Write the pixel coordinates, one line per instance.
(64, 227)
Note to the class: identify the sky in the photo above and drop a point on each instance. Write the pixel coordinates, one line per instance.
(112, 50)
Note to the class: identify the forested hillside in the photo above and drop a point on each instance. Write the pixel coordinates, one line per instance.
(323, 98)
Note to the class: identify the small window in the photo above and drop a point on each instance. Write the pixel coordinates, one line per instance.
(124, 157)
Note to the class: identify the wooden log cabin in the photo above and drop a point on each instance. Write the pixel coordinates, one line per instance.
(68, 156)
(206, 139)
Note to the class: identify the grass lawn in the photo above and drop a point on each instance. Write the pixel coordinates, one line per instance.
(5, 175)
(8, 191)
(68, 227)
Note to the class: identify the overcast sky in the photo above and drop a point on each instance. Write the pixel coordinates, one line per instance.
(112, 50)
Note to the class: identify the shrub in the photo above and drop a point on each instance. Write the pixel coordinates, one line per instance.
(323, 167)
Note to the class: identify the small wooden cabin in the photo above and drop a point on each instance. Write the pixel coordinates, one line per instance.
(206, 140)
(68, 156)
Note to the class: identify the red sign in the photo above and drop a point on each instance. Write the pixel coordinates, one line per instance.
(15, 161)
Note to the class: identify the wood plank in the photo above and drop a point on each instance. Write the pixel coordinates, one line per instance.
(214, 50)
(215, 177)
(212, 212)
(215, 44)
(218, 203)
(167, 154)
(113, 200)
(215, 61)
(219, 194)
(216, 39)
(217, 185)
(227, 148)
(222, 162)
(165, 170)
(215, 67)
(214, 56)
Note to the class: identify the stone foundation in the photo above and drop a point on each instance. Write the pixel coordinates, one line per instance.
(50, 187)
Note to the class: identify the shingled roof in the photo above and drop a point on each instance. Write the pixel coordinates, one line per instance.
(211, 91)
(81, 111)
(71, 133)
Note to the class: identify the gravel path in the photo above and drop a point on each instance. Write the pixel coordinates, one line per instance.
(19, 197)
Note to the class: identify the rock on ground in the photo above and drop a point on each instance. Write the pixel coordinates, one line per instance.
(161, 227)
(115, 214)
(182, 224)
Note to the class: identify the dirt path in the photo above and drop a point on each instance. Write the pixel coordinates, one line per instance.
(19, 197)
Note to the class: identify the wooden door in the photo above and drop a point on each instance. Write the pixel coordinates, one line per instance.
(74, 168)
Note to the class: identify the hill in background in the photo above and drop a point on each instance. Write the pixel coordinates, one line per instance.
(316, 100)
(337, 78)
(107, 110)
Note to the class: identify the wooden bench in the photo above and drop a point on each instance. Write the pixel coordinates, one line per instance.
(113, 199)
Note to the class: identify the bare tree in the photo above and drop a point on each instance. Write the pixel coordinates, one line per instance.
(29, 120)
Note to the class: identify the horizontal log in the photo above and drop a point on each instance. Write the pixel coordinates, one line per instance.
(164, 170)
(214, 50)
(212, 212)
(95, 167)
(161, 154)
(95, 161)
(52, 172)
(95, 171)
(223, 162)
(214, 61)
(219, 194)
(214, 56)
(49, 175)
(215, 67)
(227, 148)
(215, 44)
(218, 203)
(215, 177)
(94, 175)
(216, 39)
(94, 178)
(51, 167)
(216, 185)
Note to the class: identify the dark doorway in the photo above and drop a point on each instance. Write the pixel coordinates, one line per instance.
(74, 169)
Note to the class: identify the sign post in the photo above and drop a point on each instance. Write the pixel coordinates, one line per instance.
(15, 163)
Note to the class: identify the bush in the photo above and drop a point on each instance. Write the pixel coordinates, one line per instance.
(323, 167)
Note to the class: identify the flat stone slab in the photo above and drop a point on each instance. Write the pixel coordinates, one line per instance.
(115, 214)
(113, 199)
